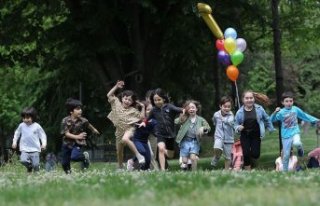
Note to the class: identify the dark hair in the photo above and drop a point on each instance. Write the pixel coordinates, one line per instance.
(224, 100)
(128, 93)
(198, 105)
(148, 95)
(29, 112)
(161, 93)
(71, 104)
(286, 95)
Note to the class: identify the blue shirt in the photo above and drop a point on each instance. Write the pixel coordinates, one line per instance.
(289, 120)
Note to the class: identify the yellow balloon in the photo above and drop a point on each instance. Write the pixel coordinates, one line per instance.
(205, 12)
(230, 45)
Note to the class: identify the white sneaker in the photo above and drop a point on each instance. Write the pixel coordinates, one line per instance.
(130, 166)
(86, 161)
(141, 159)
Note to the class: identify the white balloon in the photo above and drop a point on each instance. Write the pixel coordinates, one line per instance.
(241, 44)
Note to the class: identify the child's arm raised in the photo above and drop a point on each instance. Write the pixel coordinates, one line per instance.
(119, 85)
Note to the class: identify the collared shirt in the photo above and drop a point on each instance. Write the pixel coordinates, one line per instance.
(75, 127)
(122, 117)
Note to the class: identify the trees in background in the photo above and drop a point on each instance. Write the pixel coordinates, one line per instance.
(52, 50)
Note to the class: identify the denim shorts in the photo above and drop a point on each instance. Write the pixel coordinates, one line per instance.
(189, 146)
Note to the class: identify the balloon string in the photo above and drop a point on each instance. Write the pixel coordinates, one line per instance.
(237, 93)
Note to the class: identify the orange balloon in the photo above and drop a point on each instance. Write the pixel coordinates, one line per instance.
(232, 73)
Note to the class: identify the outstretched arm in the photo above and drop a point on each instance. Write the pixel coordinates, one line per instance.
(119, 85)
(93, 129)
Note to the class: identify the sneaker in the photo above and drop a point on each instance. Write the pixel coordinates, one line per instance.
(86, 161)
(213, 162)
(141, 159)
(300, 152)
(130, 166)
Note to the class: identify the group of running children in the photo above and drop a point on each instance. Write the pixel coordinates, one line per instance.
(148, 129)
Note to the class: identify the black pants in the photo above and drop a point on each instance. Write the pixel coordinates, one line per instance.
(313, 163)
(251, 144)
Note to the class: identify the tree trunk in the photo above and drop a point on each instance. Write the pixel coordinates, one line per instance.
(277, 56)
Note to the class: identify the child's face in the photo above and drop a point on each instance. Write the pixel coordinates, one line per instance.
(127, 101)
(248, 99)
(287, 102)
(226, 107)
(77, 112)
(27, 120)
(192, 109)
(148, 109)
(158, 101)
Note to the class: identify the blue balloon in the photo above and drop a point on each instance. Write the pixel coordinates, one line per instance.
(230, 33)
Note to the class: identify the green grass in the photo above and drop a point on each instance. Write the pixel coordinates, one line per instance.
(102, 185)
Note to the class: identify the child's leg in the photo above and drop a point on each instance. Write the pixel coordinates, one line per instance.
(25, 160)
(298, 144)
(153, 148)
(227, 148)
(162, 153)
(119, 148)
(194, 159)
(66, 158)
(147, 155)
(217, 151)
(286, 148)
(169, 147)
(127, 140)
(35, 161)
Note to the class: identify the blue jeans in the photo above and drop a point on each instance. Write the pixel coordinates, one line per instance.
(286, 149)
(71, 153)
(144, 150)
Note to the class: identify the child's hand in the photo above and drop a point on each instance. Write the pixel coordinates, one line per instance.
(240, 128)
(14, 146)
(277, 110)
(200, 132)
(82, 135)
(120, 84)
(142, 124)
(43, 147)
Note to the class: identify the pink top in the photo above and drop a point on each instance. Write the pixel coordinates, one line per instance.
(315, 153)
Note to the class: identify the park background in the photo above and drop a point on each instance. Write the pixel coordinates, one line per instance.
(52, 50)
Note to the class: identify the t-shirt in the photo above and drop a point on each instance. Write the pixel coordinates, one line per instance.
(292, 161)
(74, 127)
(122, 117)
(250, 121)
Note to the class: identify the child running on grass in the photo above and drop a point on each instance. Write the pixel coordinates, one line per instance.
(192, 128)
(140, 140)
(290, 132)
(33, 139)
(74, 129)
(124, 115)
(224, 132)
(164, 113)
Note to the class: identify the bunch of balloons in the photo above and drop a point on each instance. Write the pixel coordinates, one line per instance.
(230, 52)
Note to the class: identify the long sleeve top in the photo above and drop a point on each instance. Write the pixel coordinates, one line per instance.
(30, 136)
(289, 120)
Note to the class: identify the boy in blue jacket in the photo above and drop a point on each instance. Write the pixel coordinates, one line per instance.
(290, 132)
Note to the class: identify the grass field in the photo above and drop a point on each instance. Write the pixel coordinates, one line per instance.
(102, 185)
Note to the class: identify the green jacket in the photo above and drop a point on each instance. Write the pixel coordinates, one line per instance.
(184, 126)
